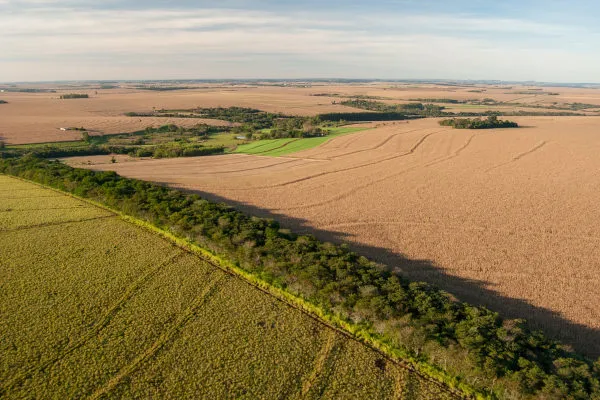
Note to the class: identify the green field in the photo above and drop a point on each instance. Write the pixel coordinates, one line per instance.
(94, 306)
(281, 147)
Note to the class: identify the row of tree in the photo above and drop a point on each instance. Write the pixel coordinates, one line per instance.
(412, 109)
(364, 116)
(490, 122)
(253, 123)
(165, 150)
(74, 96)
(476, 342)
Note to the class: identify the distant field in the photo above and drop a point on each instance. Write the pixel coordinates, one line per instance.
(93, 306)
(37, 117)
(282, 147)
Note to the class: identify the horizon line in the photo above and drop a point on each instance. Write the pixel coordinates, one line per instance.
(316, 79)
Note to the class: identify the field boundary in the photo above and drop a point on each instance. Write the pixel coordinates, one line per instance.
(424, 370)
(325, 139)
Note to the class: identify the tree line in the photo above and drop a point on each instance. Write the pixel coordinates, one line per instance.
(490, 122)
(364, 116)
(74, 96)
(167, 150)
(495, 353)
(253, 123)
(158, 142)
(412, 109)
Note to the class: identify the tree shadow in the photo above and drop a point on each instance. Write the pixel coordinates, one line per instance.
(582, 339)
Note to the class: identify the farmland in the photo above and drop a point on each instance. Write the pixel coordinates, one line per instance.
(35, 114)
(281, 147)
(94, 306)
(504, 218)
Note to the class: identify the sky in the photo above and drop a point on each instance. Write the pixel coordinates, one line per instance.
(512, 40)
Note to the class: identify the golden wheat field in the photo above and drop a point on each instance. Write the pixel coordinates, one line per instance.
(508, 218)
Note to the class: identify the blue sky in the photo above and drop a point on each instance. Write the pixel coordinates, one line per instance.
(550, 40)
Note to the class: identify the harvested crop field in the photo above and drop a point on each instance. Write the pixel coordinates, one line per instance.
(38, 117)
(93, 306)
(505, 218)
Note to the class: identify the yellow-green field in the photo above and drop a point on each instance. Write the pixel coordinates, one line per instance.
(93, 306)
(285, 146)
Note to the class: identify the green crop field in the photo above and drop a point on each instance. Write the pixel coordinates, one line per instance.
(94, 306)
(281, 147)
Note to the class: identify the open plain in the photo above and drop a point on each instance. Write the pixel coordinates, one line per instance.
(37, 117)
(505, 218)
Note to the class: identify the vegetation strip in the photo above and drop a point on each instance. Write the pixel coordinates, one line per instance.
(404, 360)
(501, 357)
(222, 266)
(308, 309)
(490, 122)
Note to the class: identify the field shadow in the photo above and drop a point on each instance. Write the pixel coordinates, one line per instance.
(581, 338)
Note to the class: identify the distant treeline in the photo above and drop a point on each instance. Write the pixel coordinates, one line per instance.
(365, 116)
(490, 122)
(500, 358)
(444, 100)
(74, 96)
(432, 110)
(256, 118)
(413, 109)
(156, 151)
(175, 147)
(165, 88)
(485, 101)
(254, 124)
(534, 92)
(564, 106)
(358, 96)
(27, 90)
(518, 113)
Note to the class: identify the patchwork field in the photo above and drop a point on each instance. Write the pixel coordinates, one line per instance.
(505, 218)
(37, 117)
(93, 306)
(281, 147)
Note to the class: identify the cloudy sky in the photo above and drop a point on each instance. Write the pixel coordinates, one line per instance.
(543, 40)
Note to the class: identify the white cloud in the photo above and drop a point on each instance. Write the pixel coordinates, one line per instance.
(49, 40)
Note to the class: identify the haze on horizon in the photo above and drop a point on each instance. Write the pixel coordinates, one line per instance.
(551, 41)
